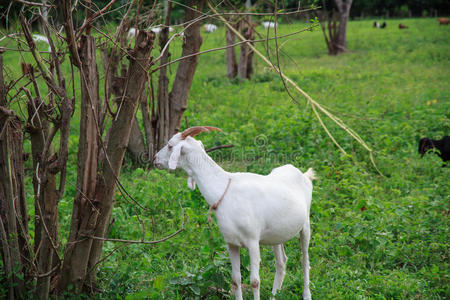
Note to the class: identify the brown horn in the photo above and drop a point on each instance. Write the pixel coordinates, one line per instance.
(193, 131)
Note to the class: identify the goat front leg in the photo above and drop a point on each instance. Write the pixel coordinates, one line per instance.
(236, 271)
(304, 241)
(255, 259)
(280, 263)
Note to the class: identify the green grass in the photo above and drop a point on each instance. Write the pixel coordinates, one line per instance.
(373, 237)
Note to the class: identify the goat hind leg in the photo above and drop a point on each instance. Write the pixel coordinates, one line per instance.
(304, 241)
(236, 271)
(255, 259)
(280, 263)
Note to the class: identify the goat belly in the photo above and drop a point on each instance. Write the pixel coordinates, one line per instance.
(270, 237)
(285, 226)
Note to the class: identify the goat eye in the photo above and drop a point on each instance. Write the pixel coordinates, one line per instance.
(169, 147)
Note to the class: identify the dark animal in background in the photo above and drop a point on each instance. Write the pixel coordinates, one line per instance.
(443, 145)
(376, 24)
(383, 25)
(401, 26)
(444, 21)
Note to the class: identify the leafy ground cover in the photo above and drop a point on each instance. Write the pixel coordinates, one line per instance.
(373, 236)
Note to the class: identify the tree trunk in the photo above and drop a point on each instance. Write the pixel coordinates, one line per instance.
(136, 144)
(45, 194)
(12, 232)
(245, 69)
(344, 14)
(118, 140)
(147, 156)
(167, 110)
(93, 204)
(335, 34)
(162, 119)
(231, 54)
(186, 68)
(13, 212)
(84, 214)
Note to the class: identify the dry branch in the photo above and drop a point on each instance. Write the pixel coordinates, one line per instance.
(219, 147)
(90, 19)
(33, 3)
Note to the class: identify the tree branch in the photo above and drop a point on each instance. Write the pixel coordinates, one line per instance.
(32, 3)
(89, 20)
(219, 147)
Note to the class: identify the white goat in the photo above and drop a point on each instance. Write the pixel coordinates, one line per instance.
(268, 24)
(157, 30)
(210, 28)
(41, 38)
(131, 33)
(251, 209)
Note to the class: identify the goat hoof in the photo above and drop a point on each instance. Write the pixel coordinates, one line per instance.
(307, 295)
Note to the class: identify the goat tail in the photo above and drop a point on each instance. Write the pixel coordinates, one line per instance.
(311, 174)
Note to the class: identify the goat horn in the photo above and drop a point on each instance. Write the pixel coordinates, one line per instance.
(193, 131)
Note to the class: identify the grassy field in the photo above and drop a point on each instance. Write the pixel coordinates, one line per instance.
(373, 237)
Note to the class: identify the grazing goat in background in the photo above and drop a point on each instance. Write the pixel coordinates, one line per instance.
(251, 209)
(210, 28)
(383, 25)
(41, 38)
(401, 26)
(444, 21)
(443, 145)
(268, 24)
(376, 24)
(156, 30)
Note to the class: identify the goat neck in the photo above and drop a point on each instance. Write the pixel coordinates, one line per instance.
(210, 178)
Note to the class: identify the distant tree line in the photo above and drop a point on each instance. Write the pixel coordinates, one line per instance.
(371, 8)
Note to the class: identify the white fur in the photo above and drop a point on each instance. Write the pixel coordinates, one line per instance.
(255, 210)
(131, 33)
(41, 38)
(268, 24)
(210, 28)
(156, 30)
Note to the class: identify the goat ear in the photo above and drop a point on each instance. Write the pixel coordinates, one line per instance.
(191, 183)
(173, 160)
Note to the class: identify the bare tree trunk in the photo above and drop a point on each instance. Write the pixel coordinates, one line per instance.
(162, 118)
(168, 109)
(9, 214)
(84, 214)
(13, 214)
(245, 69)
(147, 158)
(118, 140)
(344, 14)
(335, 35)
(231, 54)
(136, 144)
(45, 193)
(186, 68)
(46, 163)
(44, 14)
